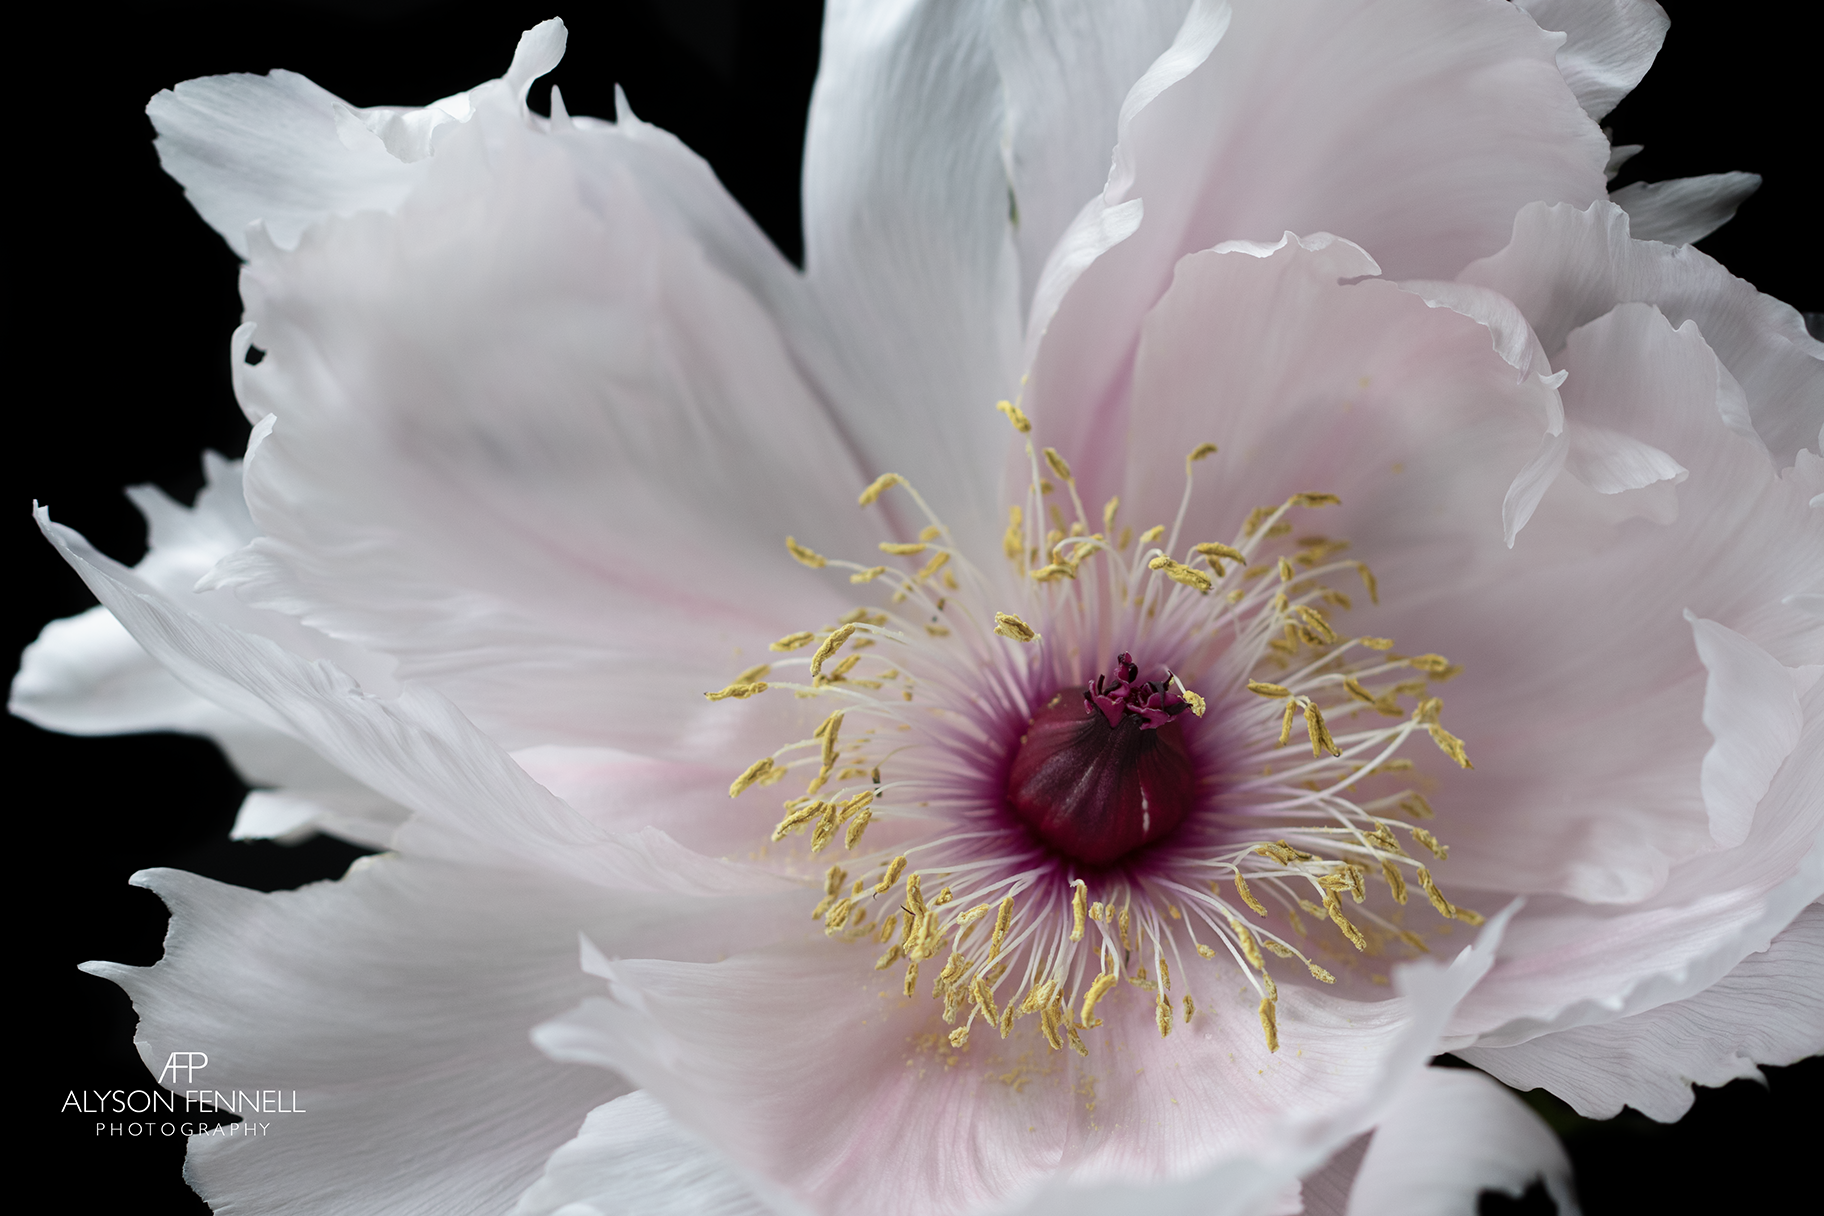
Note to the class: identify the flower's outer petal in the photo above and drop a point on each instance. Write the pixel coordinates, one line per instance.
(282, 151)
(1566, 267)
(820, 1096)
(908, 246)
(573, 536)
(1067, 67)
(1570, 965)
(1751, 706)
(1608, 45)
(1452, 1135)
(1769, 1010)
(266, 148)
(1296, 101)
(631, 1156)
(1684, 209)
(472, 802)
(394, 1005)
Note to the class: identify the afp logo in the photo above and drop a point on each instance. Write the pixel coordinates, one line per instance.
(187, 1061)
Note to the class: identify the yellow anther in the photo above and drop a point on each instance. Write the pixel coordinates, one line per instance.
(868, 575)
(1053, 572)
(1321, 741)
(1319, 972)
(1285, 571)
(1415, 941)
(1316, 622)
(1374, 593)
(985, 999)
(1127, 538)
(1377, 643)
(1165, 974)
(1198, 453)
(1003, 920)
(754, 772)
(838, 917)
(936, 631)
(1430, 664)
(912, 983)
(1189, 1009)
(903, 548)
(972, 915)
(823, 905)
(1356, 690)
(936, 563)
(1079, 910)
(1097, 991)
(1006, 1026)
(1448, 743)
(1012, 541)
(862, 616)
(1268, 1024)
(759, 671)
(1162, 1014)
(1010, 626)
(881, 484)
(1247, 896)
(852, 836)
(1124, 922)
(941, 898)
(1249, 950)
(1335, 910)
(830, 646)
(1395, 880)
(1204, 951)
(1198, 704)
(1076, 1040)
(738, 691)
(1108, 514)
(1021, 423)
(915, 899)
(1262, 688)
(1151, 534)
(1430, 886)
(1058, 465)
(1277, 948)
(792, 641)
(1212, 549)
(809, 557)
(888, 959)
(825, 831)
(1285, 723)
(1179, 573)
(797, 817)
(1314, 500)
(1440, 851)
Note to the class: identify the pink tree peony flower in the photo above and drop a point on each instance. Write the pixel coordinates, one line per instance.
(1382, 617)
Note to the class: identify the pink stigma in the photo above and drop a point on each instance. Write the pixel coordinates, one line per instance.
(1100, 778)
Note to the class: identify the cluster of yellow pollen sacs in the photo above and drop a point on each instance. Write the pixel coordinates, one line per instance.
(1060, 938)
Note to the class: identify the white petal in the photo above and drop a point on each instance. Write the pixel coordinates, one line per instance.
(909, 250)
(1608, 45)
(1769, 1010)
(473, 801)
(1452, 1135)
(632, 1157)
(1566, 267)
(1610, 462)
(1066, 67)
(395, 1005)
(1684, 209)
(1751, 706)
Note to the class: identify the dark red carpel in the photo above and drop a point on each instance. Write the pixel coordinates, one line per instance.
(1101, 774)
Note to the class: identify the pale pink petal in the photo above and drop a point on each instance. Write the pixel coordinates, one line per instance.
(1751, 706)
(1684, 209)
(471, 800)
(1566, 267)
(551, 473)
(1452, 1135)
(1326, 1192)
(632, 1157)
(394, 1005)
(825, 1109)
(1608, 45)
(1768, 1010)
(1414, 128)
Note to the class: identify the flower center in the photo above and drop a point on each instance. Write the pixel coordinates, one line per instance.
(1100, 776)
(1060, 846)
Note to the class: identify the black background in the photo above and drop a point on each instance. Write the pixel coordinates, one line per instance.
(122, 302)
